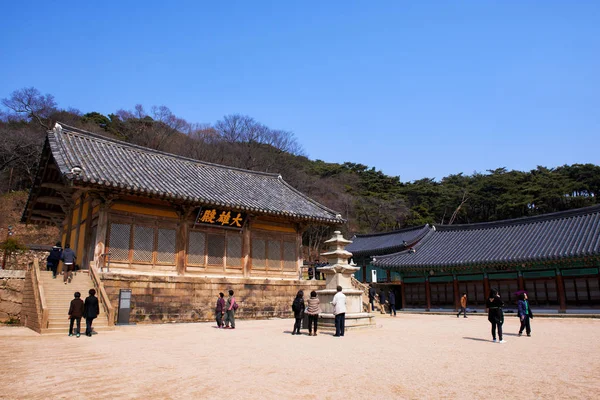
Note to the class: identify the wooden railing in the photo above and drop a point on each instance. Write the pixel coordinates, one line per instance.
(103, 296)
(38, 295)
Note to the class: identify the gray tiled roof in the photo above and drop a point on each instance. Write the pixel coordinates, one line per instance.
(134, 169)
(557, 236)
(385, 243)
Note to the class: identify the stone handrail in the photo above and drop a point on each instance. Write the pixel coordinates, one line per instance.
(38, 295)
(364, 288)
(103, 296)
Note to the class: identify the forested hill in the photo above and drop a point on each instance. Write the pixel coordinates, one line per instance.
(370, 200)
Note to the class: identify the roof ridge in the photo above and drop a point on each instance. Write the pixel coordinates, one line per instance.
(416, 246)
(162, 153)
(308, 198)
(522, 220)
(412, 228)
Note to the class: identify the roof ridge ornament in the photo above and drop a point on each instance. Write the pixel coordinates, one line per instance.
(57, 128)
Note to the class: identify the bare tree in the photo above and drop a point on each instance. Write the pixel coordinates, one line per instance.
(30, 104)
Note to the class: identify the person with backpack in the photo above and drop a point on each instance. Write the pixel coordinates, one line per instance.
(230, 307)
(53, 259)
(313, 310)
(298, 309)
(495, 314)
(68, 258)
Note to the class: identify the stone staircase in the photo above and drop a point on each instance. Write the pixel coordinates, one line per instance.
(58, 298)
(365, 292)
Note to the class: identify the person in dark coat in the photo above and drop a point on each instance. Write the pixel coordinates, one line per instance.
(392, 301)
(91, 309)
(75, 314)
(220, 309)
(372, 294)
(495, 313)
(298, 308)
(382, 302)
(525, 314)
(54, 258)
(68, 258)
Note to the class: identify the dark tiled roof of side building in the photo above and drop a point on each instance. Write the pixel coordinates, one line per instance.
(558, 236)
(385, 243)
(108, 163)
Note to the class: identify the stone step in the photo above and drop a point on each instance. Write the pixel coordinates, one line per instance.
(63, 331)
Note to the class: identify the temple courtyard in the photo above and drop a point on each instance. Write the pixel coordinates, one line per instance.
(410, 356)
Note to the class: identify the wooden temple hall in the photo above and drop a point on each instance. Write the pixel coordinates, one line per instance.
(149, 212)
(553, 257)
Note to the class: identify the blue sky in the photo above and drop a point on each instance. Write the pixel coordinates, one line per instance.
(416, 89)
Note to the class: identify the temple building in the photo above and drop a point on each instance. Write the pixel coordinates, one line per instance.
(553, 257)
(145, 213)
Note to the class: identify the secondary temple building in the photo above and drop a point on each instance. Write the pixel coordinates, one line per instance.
(173, 229)
(554, 257)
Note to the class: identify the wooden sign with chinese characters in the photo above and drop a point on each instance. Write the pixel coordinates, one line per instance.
(214, 216)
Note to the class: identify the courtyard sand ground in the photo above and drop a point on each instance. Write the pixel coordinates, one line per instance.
(407, 357)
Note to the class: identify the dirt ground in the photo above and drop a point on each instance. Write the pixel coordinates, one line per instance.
(407, 357)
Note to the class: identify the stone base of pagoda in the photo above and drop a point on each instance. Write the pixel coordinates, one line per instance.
(353, 321)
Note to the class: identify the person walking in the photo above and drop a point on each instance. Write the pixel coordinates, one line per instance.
(54, 258)
(313, 310)
(372, 294)
(339, 310)
(230, 307)
(75, 314)
(68, 258)
(392, 302)
(495, 314)
(298, 308)
(91, 309)
(463, 306)
(382, 302)
(220, 309)
(525, 314)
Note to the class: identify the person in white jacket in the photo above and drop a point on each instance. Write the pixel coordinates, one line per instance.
(339, 310)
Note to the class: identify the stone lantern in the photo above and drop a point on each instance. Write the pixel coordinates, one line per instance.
(338, 273)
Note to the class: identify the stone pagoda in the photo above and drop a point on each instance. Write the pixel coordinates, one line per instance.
(338, 273)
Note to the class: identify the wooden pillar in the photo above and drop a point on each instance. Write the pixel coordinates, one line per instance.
(364, 270)
(78, 231)
(456, 293)
(100, 239)
(521, 282)
(181, 243)
(388, 274)
(246, 251)
(486, 286)
(85, 261)
(402, 294)
(428, 294)
(299, 250)
(560, 288)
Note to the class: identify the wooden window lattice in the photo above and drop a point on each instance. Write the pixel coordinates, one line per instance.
(165, 248)
(274, 254)
(216, 249)
(234, 250)
(196, 248)
(143, 243)
(119, 242)
(289, 256)
(258, 253)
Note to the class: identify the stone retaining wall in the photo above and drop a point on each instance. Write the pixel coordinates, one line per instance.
(11, 294)
(156, 299)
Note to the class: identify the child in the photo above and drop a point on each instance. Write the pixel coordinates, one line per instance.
(75, 313)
